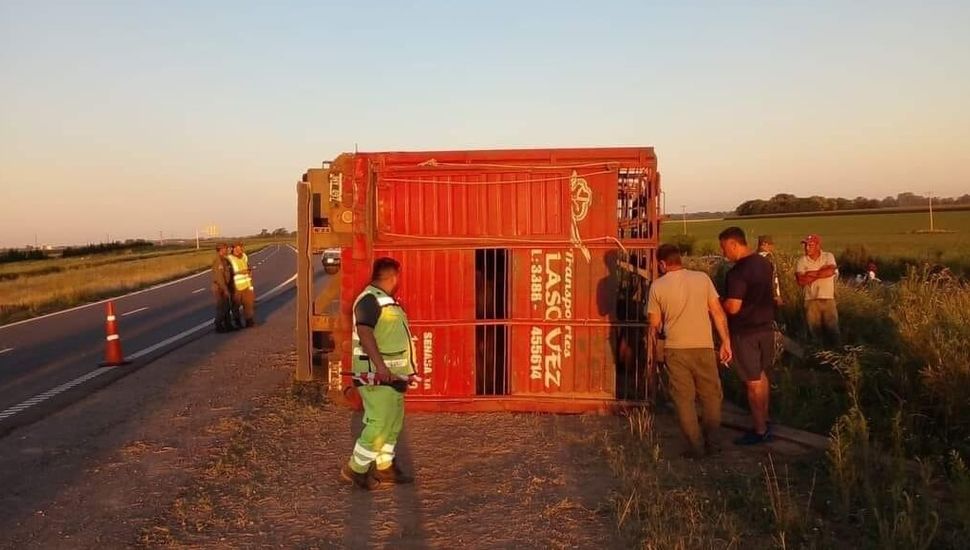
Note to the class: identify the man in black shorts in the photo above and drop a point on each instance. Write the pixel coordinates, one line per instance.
(750, 306)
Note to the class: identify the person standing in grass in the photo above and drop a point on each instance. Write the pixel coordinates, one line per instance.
(682, 303)
(750, 306)
(766, 248)
(816, 272)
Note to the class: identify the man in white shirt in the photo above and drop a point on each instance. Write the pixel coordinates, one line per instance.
(816, 272)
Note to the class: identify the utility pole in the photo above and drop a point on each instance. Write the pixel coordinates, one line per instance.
(196, 239)
(683, 209)
(930, 193)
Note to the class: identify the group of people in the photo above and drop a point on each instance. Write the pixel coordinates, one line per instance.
(681, 307)
(683, 304)
(232, 288)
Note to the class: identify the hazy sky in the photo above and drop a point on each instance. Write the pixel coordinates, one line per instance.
(133, 117)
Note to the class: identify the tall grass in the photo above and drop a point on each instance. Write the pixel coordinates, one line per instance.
(932, 316)
(879, 489)
(28, 296)
(654, 507)
(895, 401)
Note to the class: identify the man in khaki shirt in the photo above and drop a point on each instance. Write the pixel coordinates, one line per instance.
(222, 288)
(682, 304)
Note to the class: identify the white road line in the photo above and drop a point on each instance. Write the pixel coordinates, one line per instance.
(132, 312)
(40, 398)
(203, 325)
(169, 340)
(2, 351)
(268, 294)
(20, 407)
(198, 290)
(82, 306)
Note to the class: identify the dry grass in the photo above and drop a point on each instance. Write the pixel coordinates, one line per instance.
(49, 285)
(483, 481)
(29, 296)
(675, 504)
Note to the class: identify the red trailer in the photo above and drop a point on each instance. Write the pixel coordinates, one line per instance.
(524, 272)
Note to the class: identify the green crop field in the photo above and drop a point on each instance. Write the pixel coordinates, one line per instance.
(885, 236)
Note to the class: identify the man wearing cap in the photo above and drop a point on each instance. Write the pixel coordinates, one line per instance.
(816, 272)
(766, 248)
(222, 288)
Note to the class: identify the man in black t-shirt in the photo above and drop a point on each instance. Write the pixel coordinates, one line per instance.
(750, 305)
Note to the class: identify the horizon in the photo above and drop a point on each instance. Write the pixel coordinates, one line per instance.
(130, 119)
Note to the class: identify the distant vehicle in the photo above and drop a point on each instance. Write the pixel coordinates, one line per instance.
(331, 260)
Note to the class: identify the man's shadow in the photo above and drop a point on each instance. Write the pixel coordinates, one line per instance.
(620, 297)
(370, 510)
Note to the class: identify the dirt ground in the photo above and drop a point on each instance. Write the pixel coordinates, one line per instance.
(207, 448)
(483, 481)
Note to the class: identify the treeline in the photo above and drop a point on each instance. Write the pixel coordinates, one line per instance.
(784, 203)
(105, 248)
(13, 255)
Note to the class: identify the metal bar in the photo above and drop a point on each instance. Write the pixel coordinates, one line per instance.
(304, 285)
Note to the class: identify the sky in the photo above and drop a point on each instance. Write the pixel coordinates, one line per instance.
(133, 118)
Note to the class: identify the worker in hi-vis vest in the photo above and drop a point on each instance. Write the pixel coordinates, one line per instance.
(244, 294)
(383, 367)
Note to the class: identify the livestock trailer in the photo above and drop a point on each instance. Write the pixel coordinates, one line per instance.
(524, 272)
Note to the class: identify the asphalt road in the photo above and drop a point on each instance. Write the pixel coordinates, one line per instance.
(51, 361)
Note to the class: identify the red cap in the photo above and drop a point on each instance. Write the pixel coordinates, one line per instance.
(812, 239)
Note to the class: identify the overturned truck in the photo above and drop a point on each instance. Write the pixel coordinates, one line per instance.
(524, 272)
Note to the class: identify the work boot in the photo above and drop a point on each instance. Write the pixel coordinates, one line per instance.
(393, 475)
(364, 481)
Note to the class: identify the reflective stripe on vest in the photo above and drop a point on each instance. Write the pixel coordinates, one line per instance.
(240, 271)
(391, 332)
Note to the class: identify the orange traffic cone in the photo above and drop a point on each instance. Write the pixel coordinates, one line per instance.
(112, 350)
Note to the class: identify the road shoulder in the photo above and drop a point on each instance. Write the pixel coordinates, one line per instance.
(207, 447)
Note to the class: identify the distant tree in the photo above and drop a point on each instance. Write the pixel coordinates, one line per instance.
(264, 233)
(14, 255)
(910, 199)
(280, 232)
(785, 203)
(751, 208)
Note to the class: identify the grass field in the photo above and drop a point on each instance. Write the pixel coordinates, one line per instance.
(886, 236)
(28, 289)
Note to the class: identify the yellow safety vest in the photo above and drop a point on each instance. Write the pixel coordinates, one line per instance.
(240, 271)
(392, 333)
